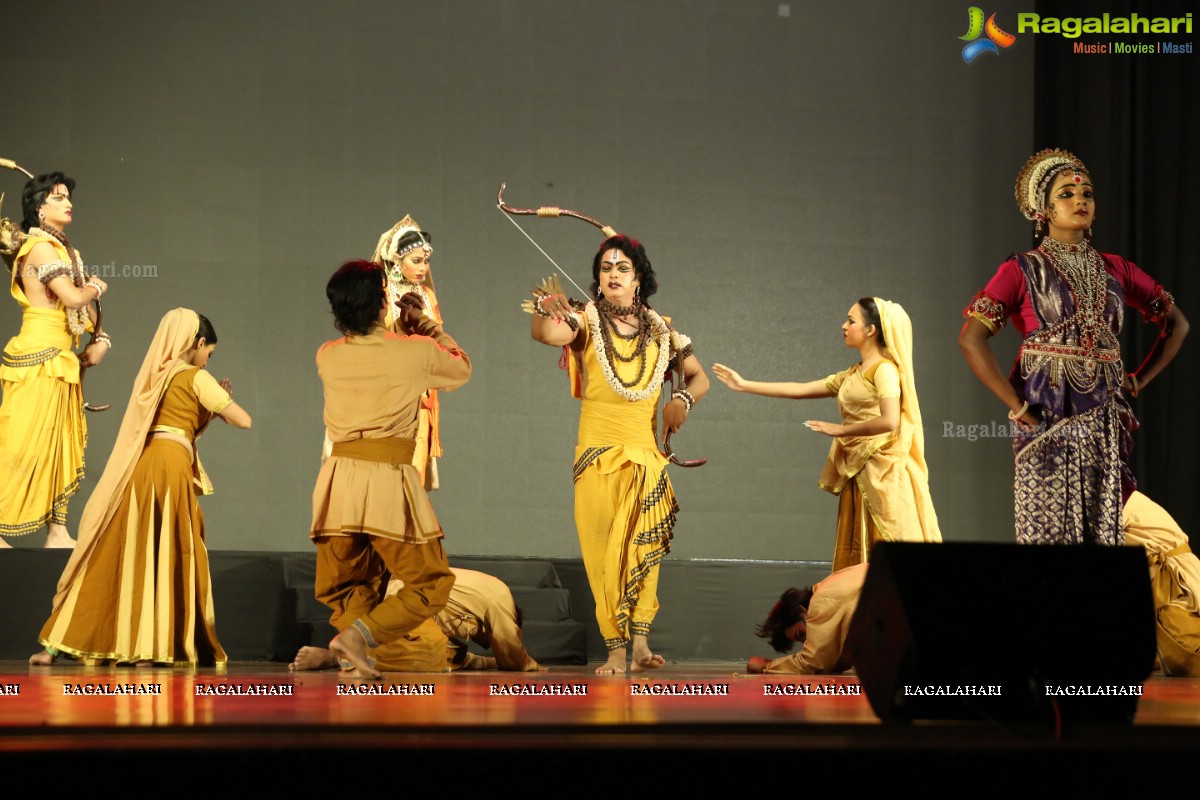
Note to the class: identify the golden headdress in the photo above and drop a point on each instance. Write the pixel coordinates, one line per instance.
(386, 253)
(1035, 177)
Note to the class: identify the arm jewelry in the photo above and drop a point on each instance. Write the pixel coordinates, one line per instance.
(543, 292)
(686, 397)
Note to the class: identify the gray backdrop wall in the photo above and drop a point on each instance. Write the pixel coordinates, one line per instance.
(778, 160)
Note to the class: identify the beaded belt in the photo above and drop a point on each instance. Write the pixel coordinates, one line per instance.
(1066, 351)
(394, 450)
(1082, 367)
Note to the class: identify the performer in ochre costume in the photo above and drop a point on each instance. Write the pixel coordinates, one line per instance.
(137, 588)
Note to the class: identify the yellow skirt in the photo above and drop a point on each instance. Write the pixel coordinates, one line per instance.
(42, 437)
(145, 593)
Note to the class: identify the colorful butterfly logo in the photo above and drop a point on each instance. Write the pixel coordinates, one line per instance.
(996, 38)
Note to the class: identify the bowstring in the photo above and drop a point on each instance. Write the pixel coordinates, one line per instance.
(561, 271)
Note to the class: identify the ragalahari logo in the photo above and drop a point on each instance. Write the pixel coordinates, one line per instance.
(996, 38)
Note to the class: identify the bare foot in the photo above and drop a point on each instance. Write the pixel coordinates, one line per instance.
(309, 658)
(643, 659)
(57, 536)
(4, 545)
(615, 664)
(145, 663)
(41, 659)
(349, 645)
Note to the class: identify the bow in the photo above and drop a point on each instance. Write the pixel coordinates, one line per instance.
(552, 212)
(18, 237)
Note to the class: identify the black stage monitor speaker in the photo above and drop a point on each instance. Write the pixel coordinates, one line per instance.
(1004, 632)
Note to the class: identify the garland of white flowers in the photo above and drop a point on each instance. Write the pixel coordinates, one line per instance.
(660, 366)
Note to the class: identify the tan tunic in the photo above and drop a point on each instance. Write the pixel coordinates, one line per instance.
(828, 623)
(1174, 579)
(481, 609)
(374, 386)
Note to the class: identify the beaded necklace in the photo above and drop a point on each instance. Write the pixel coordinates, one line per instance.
(1083, 270)
(649, 325)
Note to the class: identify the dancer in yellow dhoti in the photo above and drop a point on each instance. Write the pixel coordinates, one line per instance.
(625, 506)
(42, 429)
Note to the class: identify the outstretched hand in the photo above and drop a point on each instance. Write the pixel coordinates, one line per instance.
(827, 428)
(729, 377)
(757, 665)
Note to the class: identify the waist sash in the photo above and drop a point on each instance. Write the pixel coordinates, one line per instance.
(393, 450)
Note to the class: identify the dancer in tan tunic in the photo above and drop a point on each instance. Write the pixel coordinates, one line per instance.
(1174, 580)
(817, 617)
(480, 609)
(371, 515)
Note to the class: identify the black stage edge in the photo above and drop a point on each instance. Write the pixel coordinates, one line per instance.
(945, 760)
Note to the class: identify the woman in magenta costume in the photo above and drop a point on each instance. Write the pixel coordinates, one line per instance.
(1067, 391)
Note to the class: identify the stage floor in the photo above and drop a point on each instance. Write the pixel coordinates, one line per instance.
(260, 696)
(713, 718)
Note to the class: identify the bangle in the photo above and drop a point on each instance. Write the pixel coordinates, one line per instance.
(1020, 412)
(96, 286)
(103, 337)
(686, 397)
(1137, 386)
(537, 306)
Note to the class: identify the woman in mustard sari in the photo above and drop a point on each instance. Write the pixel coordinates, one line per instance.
(137, 588)
(42, 430)
(876, 463)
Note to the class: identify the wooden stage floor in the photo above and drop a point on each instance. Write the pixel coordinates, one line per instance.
(712, 715)
(709, 721)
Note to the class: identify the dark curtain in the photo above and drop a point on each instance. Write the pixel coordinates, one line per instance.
(1134, 120)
